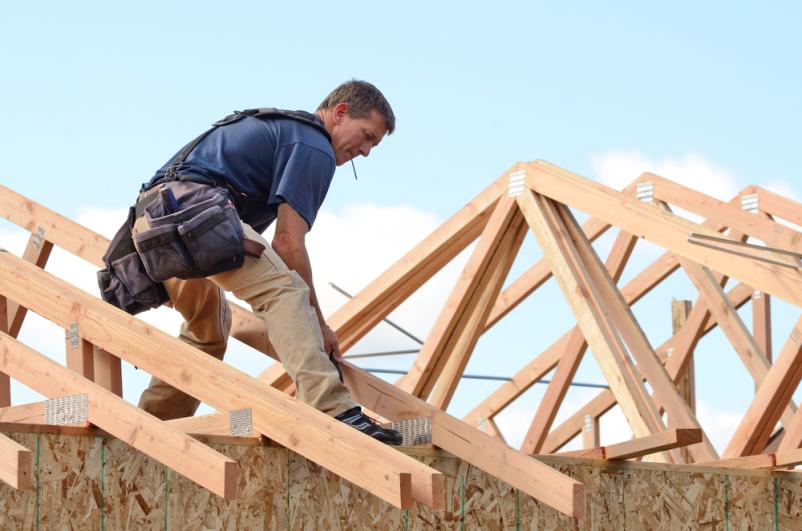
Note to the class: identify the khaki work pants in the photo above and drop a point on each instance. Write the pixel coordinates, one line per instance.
(279, 297)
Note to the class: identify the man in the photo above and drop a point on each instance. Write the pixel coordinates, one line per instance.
(276, 168)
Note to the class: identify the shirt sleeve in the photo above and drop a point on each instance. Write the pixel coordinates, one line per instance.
(301, 178)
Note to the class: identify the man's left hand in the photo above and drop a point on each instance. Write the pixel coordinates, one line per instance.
(331, 345)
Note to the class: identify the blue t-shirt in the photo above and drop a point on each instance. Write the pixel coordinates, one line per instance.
(269, 160)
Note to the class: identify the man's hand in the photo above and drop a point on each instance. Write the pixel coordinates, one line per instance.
(330, 342)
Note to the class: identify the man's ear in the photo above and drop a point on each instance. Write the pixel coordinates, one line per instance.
(339, 112)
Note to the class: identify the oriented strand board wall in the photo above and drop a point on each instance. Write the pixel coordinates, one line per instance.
(83, 479)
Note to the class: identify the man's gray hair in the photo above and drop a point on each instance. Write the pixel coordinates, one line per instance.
(362, 98)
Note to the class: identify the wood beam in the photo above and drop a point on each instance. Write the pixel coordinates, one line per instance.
(32, 413)
(37, 251)
(680, 310)
(590, 432)
(605, 400)
(106, 368)
(471, 328)
(583, 297)
(663, 228)
(734, 328)
(569, 362)
(779, 206)
(772, 234)
(665, 391)
(125, 421)
(468, 443)
(638, 287)
(5, 382)
(761, 322)
(642, 446)
(356, 457)
(464, 298)
(15, 464)
(81, 359)
(771, 399)
(534, 277)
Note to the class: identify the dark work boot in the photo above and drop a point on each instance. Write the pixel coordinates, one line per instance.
(358, 420)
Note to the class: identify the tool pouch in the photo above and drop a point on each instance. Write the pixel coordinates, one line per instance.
(202, 239)
(124, 281)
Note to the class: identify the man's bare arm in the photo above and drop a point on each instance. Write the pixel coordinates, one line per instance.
(289, 242)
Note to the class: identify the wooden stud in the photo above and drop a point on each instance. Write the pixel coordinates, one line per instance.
(771, 399)
(125, 421)
(81, 359)
(583, 298)
(569, 362)
(464, 298)
(547, 360)
(465, 339)
(107, 368)
(33, 413)
(665, 391)
(590, 432)
(605, 400)
(761, 322)
(15, 464)
(357, 458)
(779, 206)
(533, 278)
(642, 446)
(772, 234)
(663, 228)
(37, 251)
(5, 382)
(680, 310)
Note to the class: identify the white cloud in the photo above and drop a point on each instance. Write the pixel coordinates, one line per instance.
(618, 168)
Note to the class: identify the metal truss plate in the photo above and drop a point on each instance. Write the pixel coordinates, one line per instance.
(750, 203)
(516, 184)
(240, 422)
(70, 409)
(645, 192)
(415, 431)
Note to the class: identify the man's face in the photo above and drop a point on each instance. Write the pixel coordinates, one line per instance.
(351, 137)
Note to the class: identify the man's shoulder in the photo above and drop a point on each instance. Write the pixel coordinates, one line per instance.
(291, 132)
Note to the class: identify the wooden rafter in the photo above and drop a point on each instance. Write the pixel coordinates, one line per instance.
(642, 446)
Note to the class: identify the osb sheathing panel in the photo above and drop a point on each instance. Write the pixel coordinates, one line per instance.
(281, 490)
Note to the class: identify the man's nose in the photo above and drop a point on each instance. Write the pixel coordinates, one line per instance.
(364, 149)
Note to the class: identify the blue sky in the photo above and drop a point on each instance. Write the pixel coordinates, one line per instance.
(96, 96)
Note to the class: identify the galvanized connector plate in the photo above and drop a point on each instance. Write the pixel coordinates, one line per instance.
(240, 422)
(645, 192)
(750, 203)
(415, 431)
(516, 184)
(70, 409)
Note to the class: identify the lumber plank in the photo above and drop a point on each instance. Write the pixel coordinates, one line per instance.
(355, 457)
(533, 371)
(15, 464)
(663, 228)
(471, 328)
(81, 359)
(466, 442)
(37, 251)
(605, 400)
(534, 277)
(733, 327)
(569, 362)
(664, 389)
(590, 432)
(5, 382)
(33, 413)
(642, 446)
(583, 297)
(490, 455)
(125, 421)
(761, 322)
(771, 399)
(464, 298)
(107, 370)
(778, 206)
(769, 232)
